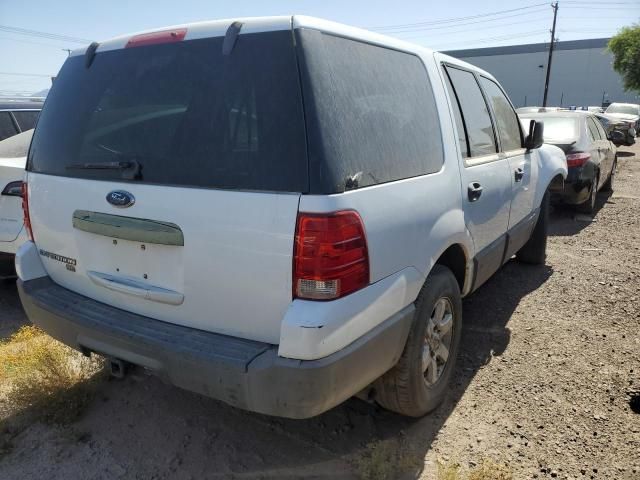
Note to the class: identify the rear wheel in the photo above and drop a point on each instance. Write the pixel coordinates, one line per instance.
(590, 205)
(535, 250)
(608, 185)
(419, 381)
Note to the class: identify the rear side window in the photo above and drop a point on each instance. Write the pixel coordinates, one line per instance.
(593, 129)
(475, 112)
(371, 114)
(599, 131)
(26, 119)
(180, 114)
(455, 105)
(7, 128)
(506, 119)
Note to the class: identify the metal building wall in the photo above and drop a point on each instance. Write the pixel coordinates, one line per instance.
(581, 72)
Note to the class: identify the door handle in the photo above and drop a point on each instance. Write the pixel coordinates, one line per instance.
(474, 191)
(519, 174)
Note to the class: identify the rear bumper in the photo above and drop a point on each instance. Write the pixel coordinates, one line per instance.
(243, 373)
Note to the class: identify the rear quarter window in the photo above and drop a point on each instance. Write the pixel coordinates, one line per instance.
(371, 114)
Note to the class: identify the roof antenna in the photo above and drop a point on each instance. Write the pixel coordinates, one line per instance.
(90, 54)
(230, 37)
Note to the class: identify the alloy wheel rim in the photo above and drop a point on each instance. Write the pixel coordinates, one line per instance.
(437, 341)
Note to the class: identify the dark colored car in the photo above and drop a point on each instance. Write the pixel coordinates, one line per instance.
(591, 154)
(612, 124)
(17, 117)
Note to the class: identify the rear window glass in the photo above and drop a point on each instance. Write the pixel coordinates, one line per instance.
(371, 114)
(179, 114)
(557, 129)
(16, 146)
(26, 119)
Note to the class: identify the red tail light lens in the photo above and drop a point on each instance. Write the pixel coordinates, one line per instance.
(577, 159)
(330, 258)
(153, 38)
(25, 210)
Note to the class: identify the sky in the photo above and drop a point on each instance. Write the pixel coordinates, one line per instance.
(29, 59)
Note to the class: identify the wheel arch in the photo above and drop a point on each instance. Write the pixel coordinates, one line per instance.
(456, 258)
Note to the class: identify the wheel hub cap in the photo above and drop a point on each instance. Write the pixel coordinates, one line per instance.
(437, 340)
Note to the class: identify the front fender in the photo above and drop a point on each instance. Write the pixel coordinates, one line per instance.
(551, 163)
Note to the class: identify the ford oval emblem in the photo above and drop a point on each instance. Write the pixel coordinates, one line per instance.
(120, 199)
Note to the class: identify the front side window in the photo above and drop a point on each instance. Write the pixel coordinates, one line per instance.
(506, 118)
(475, 112)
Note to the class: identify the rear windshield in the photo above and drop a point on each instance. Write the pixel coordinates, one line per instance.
(557, 129)
(179, 114)
(626, 109)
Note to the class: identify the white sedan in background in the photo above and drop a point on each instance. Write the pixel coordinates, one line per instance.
(13, 158)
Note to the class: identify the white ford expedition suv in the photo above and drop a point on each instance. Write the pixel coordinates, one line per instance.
(279, 213)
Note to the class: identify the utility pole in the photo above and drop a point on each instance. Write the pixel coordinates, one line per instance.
(553, 39)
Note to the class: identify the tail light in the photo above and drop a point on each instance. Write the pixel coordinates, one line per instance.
(25, 210)
(154, 38)
(13, 189)
(330, 258)
(577, 159)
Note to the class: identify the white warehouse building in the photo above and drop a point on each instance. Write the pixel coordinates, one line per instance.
(581, 72)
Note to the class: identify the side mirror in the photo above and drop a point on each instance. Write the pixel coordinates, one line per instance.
(535, 138)
(616, 136)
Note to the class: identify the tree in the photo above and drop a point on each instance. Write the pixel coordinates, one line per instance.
(625, 47)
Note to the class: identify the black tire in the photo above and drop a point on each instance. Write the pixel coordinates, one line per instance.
(608, 185)
(590, 205)
(404, 389)
(534, 251)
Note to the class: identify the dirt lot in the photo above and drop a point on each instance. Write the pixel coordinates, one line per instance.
(550, 363)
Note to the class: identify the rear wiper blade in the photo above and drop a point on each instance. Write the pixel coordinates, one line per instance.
(132, 169)
(121, 165)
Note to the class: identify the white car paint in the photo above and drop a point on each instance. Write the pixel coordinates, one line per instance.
(235, 270)
(12, 233)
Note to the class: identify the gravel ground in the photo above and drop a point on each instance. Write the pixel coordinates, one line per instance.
(550, 364)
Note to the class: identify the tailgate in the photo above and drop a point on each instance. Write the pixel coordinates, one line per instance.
(164, 178)
(232, 274)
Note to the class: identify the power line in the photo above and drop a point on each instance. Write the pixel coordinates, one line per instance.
(36, 33)
(440, 27)
(499, 38)
(426, 34)
(26, 74)
(455, 19)
(30, 42)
